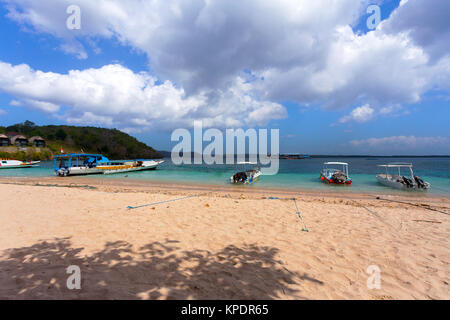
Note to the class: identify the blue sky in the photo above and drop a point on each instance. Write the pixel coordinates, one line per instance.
(321, 91)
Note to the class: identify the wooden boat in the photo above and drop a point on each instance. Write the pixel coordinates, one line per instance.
(398, 180)
(84, 163)
(15, 164)
(129, 166)
(332, 175)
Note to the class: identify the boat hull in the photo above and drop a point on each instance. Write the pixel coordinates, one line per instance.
(327, 180)
(391, 181)
(108, 169)
(148, 165)
(78, 171)
(17, 165)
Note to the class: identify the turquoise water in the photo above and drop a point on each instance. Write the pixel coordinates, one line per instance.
(298, 174)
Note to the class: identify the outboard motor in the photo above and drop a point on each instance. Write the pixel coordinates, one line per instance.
(237, 177)
(408, 182)
(240, 177)
(62, 172)
(419, 182)
(339, 177)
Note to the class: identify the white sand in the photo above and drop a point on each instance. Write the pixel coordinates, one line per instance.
(222, 245)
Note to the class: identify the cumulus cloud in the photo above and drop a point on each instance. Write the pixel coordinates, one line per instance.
(360, 114)
(366, 113)
(296, 50)
(407, 144)
(201, 43)
(116, 96)
(425, 22)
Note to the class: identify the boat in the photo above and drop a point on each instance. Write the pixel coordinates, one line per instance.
(14, 164)
(245, 176)
(84, 163)
(293, 156)
(332, 175)
(398, 180)
(121, 166)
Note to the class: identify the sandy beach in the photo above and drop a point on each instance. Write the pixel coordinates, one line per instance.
(220, 243)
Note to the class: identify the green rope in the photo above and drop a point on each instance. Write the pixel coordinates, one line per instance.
(300, 216)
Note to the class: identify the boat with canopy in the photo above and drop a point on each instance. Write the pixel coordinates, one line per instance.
(333, 174)
(244, 175)
(84, 163)
(393, 177)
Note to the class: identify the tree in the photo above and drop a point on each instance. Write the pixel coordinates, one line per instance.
(61, 134)
(28, 123)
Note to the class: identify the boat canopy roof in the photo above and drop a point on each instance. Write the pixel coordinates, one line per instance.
(246, 162)
(83, 155)
(337, 163)
(396, 165)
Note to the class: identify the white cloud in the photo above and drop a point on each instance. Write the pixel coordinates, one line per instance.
(410, 144)
(393, 111)
(201, 43)
(115, 96)
(296, 50)
(15, 103)
(2, 112)
(366, 113)
(360, 114)
(426, 22)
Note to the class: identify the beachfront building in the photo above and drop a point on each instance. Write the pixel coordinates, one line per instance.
(4, 140)
(19, 141)
(37, 141)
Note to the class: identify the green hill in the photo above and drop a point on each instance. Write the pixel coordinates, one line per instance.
(112, 143)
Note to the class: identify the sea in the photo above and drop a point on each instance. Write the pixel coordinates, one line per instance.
(292, 174)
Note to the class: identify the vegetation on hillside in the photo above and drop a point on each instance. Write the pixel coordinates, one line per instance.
(112, 143)
(29, 154)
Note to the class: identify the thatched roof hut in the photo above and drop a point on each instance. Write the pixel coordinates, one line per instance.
(37, 141)
(19, 141)
(4, 140)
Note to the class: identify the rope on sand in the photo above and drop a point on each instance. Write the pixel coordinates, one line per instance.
(375, 214)
(298, 212)
(415, 205)
(372, 212)
(300, 216)
(166, 201)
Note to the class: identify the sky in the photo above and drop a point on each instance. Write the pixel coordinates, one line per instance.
(327, 74)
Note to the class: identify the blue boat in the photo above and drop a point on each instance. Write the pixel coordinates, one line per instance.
(85, 163)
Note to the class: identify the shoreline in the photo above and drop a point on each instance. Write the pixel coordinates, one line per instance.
(180, 188)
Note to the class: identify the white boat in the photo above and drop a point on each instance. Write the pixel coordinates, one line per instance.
(246, 176)
(332, 175)
(14, 164)
(129, 166)
(82, 164)
(399, 181)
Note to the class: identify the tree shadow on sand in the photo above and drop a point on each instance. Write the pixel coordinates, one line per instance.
(158, 270)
